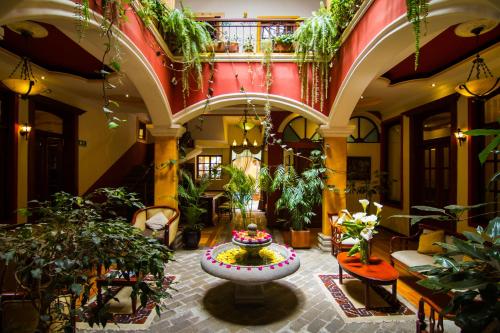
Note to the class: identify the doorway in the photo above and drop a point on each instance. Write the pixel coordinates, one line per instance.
(53, 156)
(433, 159)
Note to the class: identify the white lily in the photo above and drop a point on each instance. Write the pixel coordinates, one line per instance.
(358, 216)
(379, 207)
(364, 203)
(366, 233)
(370, 219)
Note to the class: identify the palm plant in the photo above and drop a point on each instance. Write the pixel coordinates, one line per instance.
(300, 193)
(241, 187)
(189, 194)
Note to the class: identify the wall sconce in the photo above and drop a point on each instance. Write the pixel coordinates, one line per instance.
(25, 130)
(461, 137)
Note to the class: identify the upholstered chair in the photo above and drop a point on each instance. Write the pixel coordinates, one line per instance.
(165, 235)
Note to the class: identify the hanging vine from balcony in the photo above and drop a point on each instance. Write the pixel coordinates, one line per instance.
(317, 40)
(416, 12)
(184, 36)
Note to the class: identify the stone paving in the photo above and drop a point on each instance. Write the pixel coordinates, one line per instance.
(203, 303)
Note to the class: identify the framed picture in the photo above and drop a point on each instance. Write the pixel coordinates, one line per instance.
(359, 168)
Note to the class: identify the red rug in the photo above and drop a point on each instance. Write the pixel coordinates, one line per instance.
(348, 298)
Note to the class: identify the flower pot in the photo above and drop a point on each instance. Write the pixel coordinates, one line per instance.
(219, 46)
(191, 239)
(282, 48)
(234, 47)
(300, 239)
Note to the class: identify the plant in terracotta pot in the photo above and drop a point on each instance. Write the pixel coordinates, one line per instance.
(283, 43)
(58, 257)
(234, 45)
(300, 194)
(248, 46)
(189, 193)
(361, 227)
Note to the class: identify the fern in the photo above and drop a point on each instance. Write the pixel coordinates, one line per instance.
(184, 36)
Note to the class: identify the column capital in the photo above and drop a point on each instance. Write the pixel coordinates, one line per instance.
(335, 131)
(166, 131)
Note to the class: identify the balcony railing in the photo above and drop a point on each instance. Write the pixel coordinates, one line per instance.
(241, 35)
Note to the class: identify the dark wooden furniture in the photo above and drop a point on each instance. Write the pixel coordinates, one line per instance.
(210, 200)
(434, 323)
(376, 272)
(337, 244)
(121, 281)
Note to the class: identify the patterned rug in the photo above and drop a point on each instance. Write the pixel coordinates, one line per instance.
(348, 298)
(141, 320)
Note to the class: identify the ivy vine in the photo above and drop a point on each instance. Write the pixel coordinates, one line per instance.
(416, 12)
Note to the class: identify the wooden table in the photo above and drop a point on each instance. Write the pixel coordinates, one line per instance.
(376, 272)
(210, 200)
(118, 282)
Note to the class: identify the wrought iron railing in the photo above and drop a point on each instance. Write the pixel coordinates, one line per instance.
(247, 34)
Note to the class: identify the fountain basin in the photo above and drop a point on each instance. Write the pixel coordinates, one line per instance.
(246, 275)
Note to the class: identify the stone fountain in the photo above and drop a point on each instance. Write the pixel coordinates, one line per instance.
(250, 260)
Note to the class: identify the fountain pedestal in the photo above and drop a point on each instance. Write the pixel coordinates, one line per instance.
(248, 294)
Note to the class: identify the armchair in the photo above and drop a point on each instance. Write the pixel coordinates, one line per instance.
(166, 235)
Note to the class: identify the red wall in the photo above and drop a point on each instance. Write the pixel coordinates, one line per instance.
(250, 76)
(380, 14)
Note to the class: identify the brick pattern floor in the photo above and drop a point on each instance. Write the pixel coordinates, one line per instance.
(203, 303)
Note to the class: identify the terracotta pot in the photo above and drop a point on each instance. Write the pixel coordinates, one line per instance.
(234, 47)
(300, 239)
(283, 48)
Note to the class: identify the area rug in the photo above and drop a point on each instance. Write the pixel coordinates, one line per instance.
(141, 320)
(348, 299)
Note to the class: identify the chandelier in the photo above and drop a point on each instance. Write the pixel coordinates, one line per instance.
(483, 82)
(25, 83)
(246, 126)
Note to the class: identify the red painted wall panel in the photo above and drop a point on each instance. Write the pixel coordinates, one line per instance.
(380, 14)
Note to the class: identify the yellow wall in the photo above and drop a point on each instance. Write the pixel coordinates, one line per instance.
(22, 161)
(104, 146)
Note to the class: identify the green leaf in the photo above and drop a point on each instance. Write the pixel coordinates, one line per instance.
(493, 229)
(483, 155)
(115, 65)
(36, 273)
(112, 125)
(482, 132)
(76, 288)
(473, 236)
(429, 209)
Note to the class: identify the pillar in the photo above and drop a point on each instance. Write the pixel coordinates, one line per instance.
(166, 164)
(335, 149)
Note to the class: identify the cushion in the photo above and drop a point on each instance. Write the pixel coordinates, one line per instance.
(412, 258)
(350, 241)
(157, 221)
(426, 241)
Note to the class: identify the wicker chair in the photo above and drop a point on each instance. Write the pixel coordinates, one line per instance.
(167, 235)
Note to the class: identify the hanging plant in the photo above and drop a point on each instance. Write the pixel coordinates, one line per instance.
(316, 42)
(184, 36)
(416, 12)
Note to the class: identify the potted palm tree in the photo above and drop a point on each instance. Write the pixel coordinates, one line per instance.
(300, 194)
(240, 188)
(190, 193)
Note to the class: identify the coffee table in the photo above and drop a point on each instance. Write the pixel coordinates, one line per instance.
(376, 272)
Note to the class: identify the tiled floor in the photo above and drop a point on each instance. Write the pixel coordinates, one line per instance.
(203, 303)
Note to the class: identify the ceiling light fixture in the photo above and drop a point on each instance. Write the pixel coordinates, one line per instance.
(483, 82)
(25, 84)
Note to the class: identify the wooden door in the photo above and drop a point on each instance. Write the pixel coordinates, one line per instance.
(435, 165)
(49, 164)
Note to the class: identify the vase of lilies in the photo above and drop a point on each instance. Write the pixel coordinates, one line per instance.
(361, 227)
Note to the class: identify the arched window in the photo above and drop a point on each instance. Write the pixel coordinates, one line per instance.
(299, 129)
(365, 131)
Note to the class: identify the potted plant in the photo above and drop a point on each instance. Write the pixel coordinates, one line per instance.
(234, 45)
(248, 46)
(240, 188)
(189, 196)
(300, 194)
(283, 43)
(71, 240)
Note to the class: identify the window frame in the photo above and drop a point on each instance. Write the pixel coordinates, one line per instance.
(384, 158)
(358, 128)
(211, 167)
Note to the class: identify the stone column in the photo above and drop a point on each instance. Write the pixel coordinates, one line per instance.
(166, 163)
(335, 147)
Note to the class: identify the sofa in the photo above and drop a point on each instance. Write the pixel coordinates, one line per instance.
(405, 258)
(166, 235)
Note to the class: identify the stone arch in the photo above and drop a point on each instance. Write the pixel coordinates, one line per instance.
(61, 13)
(221, 101)
(397, 40)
